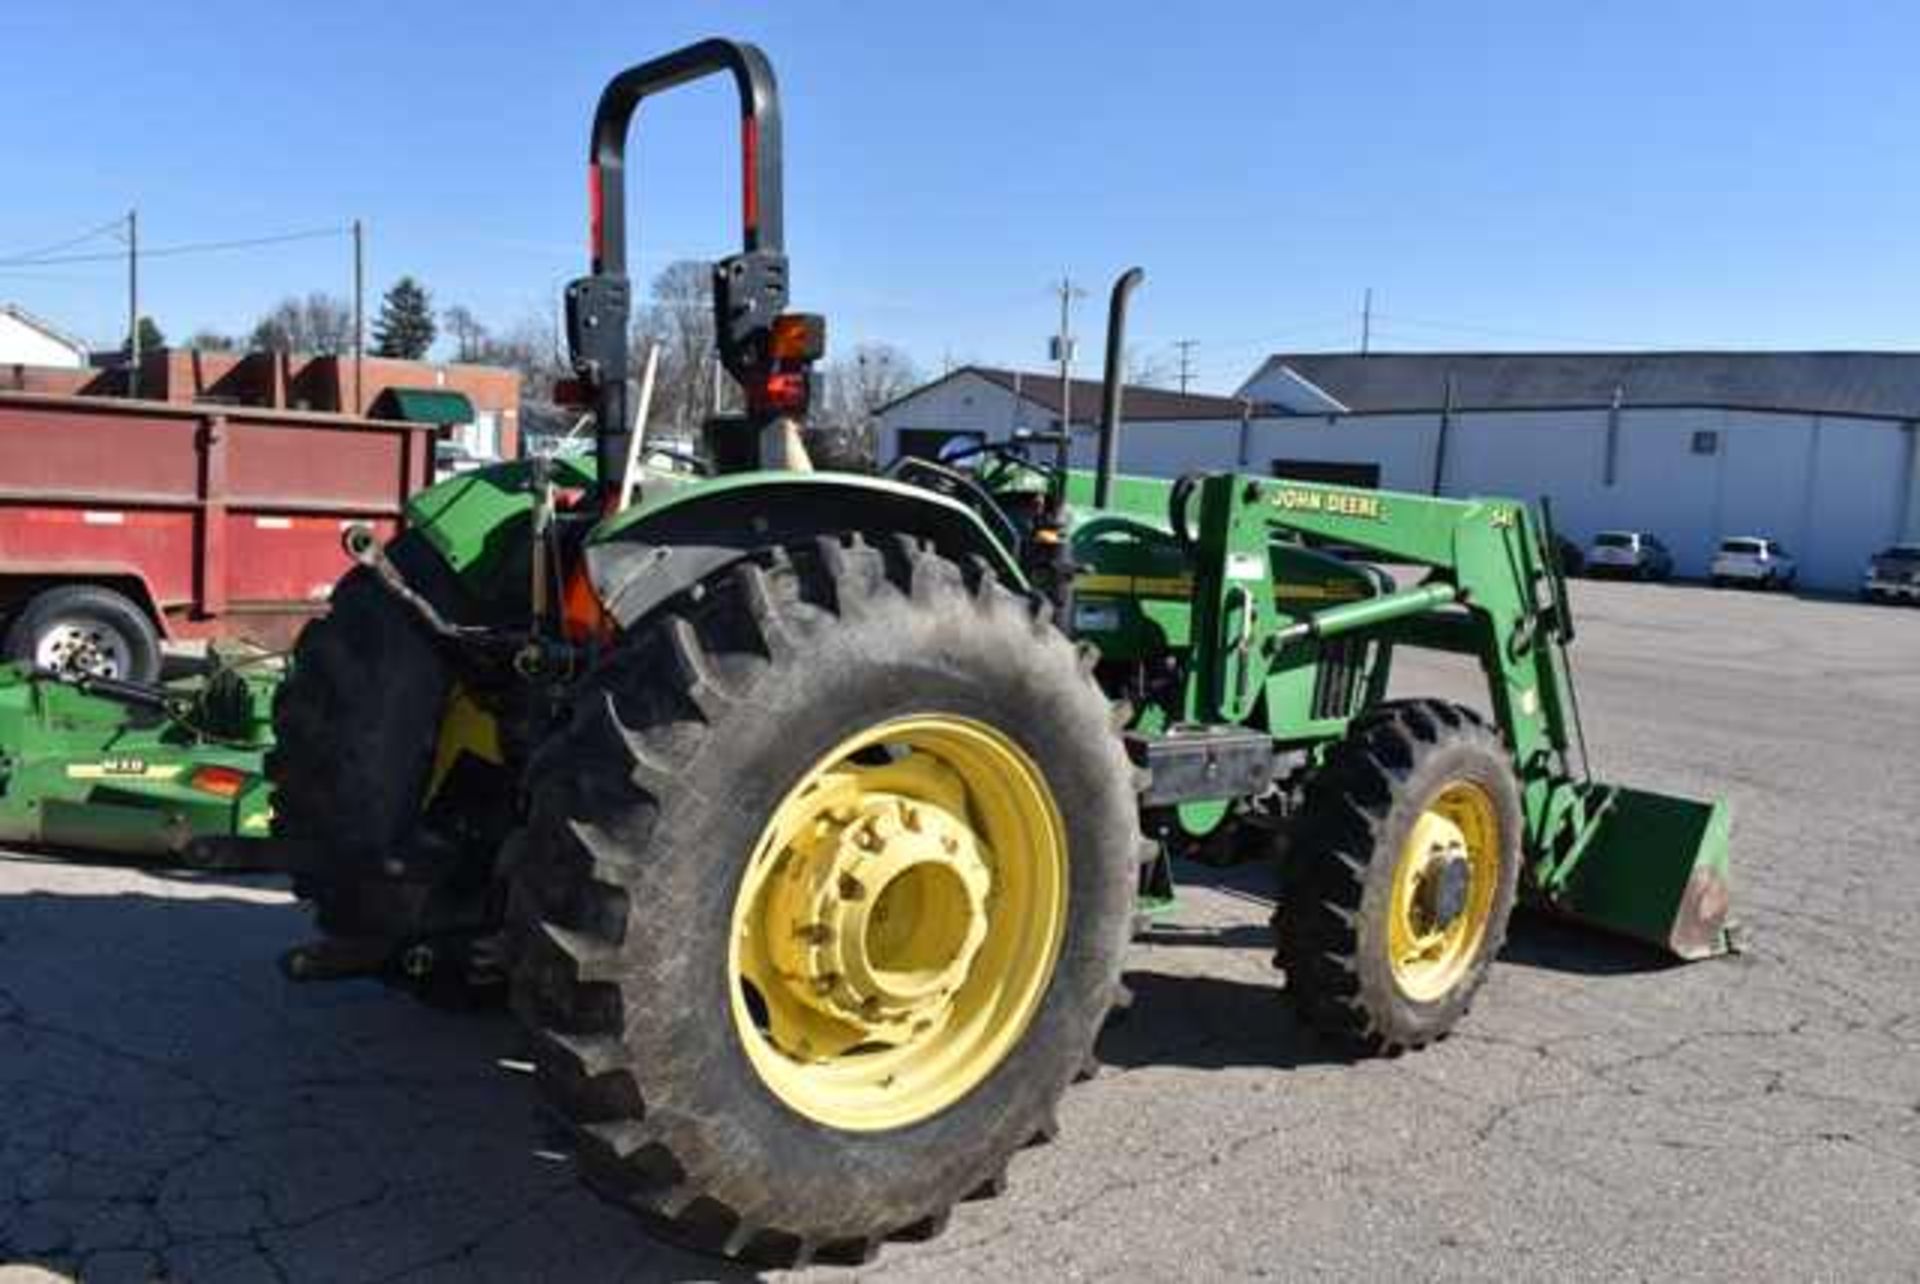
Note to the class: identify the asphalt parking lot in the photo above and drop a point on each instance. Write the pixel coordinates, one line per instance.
(170, 1108)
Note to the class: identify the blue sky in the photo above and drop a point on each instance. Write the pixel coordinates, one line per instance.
(1524, 175)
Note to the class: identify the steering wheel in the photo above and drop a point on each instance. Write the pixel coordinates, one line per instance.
(1006, 455)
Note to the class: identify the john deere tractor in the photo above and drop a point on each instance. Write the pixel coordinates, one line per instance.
(806, 815)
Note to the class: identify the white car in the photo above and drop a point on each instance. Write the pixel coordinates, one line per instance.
(1753, 559)
(1635, 554)
(450, 459)
(1893, 575)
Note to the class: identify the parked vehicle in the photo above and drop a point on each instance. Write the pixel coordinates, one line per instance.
(1755, 560)
(125, 522)
(1636, 555)
(1567, 554)
(1893, 575)
(450, 459)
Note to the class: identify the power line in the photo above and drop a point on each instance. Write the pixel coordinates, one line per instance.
(1509, 332)
(190, 247)
(36, 256)
(1341, 323)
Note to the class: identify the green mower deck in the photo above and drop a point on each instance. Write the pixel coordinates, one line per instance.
(129, 769)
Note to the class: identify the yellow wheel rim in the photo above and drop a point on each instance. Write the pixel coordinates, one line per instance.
(1444, 886)
(897, 926)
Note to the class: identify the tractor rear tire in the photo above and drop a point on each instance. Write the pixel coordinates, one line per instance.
(1409, 777)
(356, 725)
(668, 799)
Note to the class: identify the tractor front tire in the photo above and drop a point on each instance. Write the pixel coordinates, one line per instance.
(825, 893)
(1401, 876)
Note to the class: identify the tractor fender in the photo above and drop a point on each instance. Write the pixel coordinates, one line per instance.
(641, 558)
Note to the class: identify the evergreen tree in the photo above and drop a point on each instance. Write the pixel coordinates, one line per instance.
(151, 338)
(405, 326)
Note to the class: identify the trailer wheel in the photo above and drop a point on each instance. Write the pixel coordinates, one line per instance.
(1401, 876)
(359, 727)
(84, 630)
(829, 880)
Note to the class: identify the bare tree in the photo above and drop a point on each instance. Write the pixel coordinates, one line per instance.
(321, 323)
(469, 336)
(207, 340)
(679, 317)
(844, 432)
(530, 347)
(1148, 369)
(881, 373)
(858, 385)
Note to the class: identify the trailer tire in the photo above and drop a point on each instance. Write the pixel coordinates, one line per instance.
(1407, 771)
(663, 808)
(86, 629)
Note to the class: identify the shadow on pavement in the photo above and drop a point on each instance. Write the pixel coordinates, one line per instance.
(1211, 1023)
(170, 1107)
(1541, 940)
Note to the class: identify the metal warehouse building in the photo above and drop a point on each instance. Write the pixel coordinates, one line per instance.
(1817, 449)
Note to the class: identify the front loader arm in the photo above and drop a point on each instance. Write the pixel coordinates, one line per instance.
(1481, 555)
(1647, 865)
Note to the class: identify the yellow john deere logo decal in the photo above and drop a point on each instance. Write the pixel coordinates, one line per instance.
(1335, 503)
(123, 769)
(1338, 591)
(1136, 585)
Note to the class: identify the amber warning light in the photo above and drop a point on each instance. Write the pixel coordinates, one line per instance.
(799, 337)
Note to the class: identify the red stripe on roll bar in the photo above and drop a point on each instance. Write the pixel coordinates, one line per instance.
(595, 224)
(749, 184)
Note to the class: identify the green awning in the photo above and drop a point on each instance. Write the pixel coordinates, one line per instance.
(424, 406)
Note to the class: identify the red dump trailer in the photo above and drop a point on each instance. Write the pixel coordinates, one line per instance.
(124, 522)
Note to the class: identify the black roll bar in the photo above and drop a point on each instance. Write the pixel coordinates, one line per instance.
(762, 220)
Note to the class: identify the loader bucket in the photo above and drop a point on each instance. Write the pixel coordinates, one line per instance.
(1652, 867)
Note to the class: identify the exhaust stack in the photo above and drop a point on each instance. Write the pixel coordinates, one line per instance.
(1113, 391)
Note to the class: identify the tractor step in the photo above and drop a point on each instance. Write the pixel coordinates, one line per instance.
(336, 959)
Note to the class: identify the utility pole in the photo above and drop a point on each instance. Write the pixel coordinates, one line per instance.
(133, 303)
(1186, 347)
(359, 317)
(1063, 352)
(1366, 322)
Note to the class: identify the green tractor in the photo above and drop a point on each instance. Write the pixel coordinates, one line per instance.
(806, 816)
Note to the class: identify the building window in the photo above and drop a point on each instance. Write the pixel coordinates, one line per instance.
(1329, 472)
(1706, 443)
